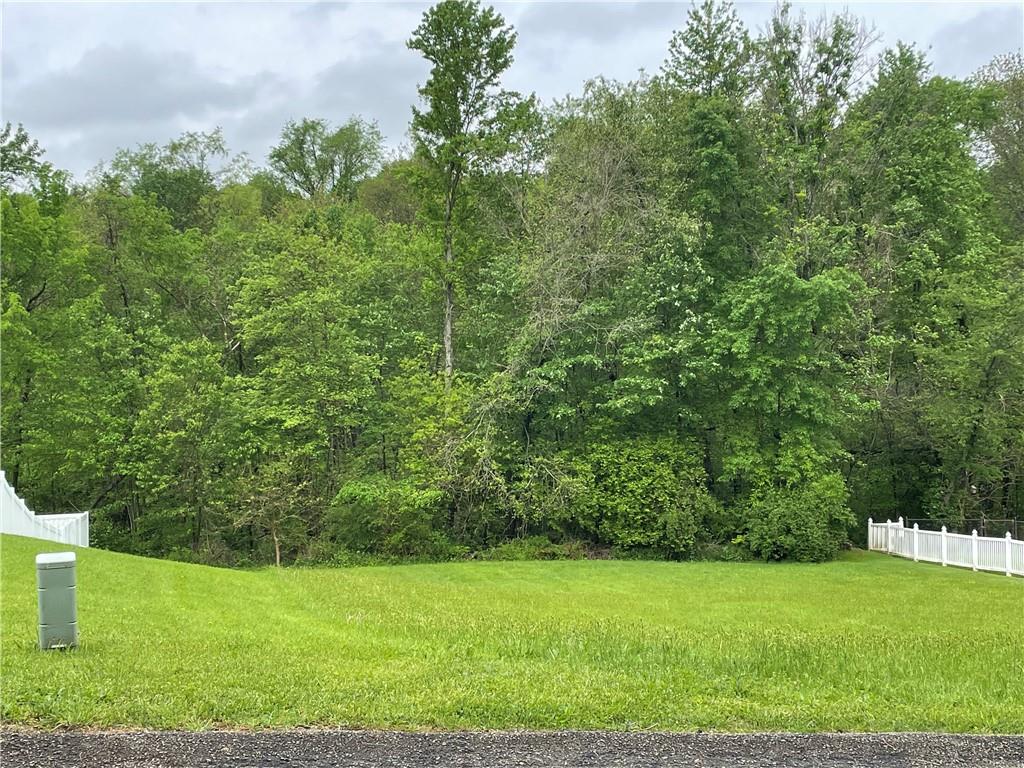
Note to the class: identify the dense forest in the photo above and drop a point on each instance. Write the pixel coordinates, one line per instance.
(728, 310)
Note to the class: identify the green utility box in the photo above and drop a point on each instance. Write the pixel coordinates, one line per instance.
(58, 606)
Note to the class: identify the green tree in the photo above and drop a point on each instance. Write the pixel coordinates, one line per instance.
(467, 121)
(1003, 141)
(711, 53)
(185, 446)
(179, 174)
(19, 155)
(319, 161)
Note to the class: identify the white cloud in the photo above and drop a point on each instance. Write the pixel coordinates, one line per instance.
(88, 78)
(114, 85)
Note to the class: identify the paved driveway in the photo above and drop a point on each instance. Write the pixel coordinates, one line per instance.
(302, 748)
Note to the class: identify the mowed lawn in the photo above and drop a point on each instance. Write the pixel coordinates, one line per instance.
(868, 643)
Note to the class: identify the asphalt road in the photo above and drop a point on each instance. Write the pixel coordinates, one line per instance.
(307, 748)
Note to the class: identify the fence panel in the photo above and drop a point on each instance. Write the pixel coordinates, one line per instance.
(991, 554)
(17, 518)
(904, 542)
(929, 546)
(981, 553)
(959, 550)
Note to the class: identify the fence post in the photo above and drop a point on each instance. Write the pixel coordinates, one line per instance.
(1009, 556)
(871, 532)
(943, 546)
(915, 542)
(974, 549)
(888, 535)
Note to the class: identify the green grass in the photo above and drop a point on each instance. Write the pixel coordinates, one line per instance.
(867, 643)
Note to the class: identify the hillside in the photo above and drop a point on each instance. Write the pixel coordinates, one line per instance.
(864, 643)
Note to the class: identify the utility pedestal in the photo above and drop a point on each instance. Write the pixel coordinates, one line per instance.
(58, 606)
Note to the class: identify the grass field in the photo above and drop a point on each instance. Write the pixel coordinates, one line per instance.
(866, 643)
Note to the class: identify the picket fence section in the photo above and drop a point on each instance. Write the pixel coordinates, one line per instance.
(17, 518)
(980, 553)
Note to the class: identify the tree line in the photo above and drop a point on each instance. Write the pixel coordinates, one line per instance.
(729, 310)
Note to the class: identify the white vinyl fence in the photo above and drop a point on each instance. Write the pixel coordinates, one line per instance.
(980, 553)
(17, 518)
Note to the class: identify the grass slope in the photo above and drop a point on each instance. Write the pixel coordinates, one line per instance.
(866, 643)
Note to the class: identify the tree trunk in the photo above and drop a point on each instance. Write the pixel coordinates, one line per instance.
(197, 528)
(14, 468)
(449, 352)
(449, 287)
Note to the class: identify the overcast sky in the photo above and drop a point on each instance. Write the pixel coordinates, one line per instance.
(87, 78)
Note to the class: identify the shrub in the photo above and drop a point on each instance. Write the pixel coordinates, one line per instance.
(642, 493)
(326, 551)
(723, 523)
(385, 517)
(734, 551)
(637, 553)
(535, 548)
(340, 557)
(806, 522)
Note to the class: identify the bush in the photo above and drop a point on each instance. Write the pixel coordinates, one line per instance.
(535, 548)
(385, 517)
(642, 494)
(325, 551)
(345, 558)
(734, 551)
(637, 553)
(806, 522)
